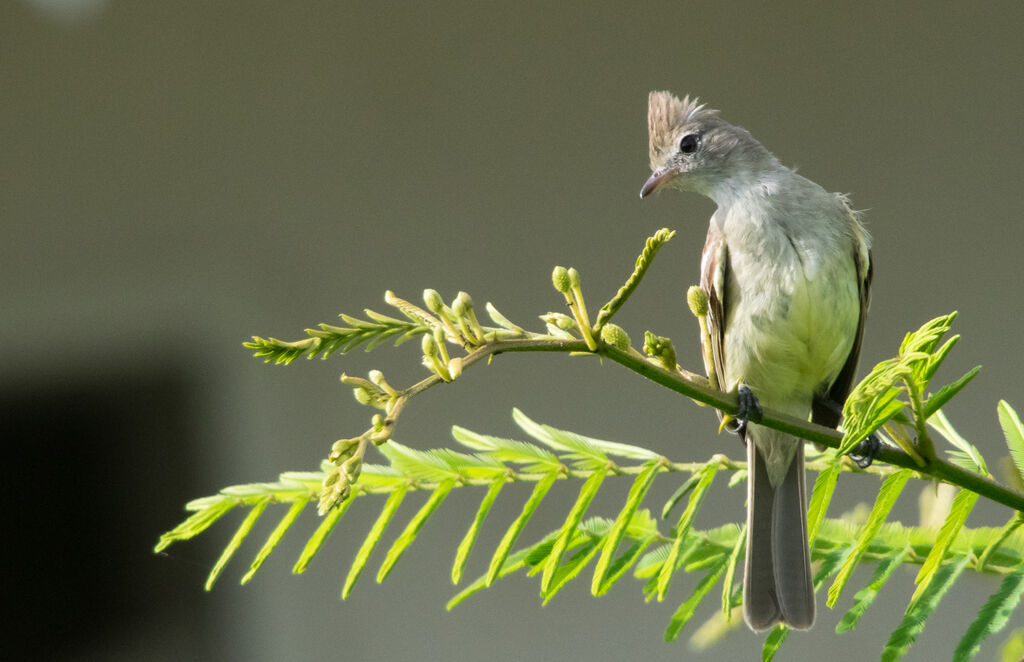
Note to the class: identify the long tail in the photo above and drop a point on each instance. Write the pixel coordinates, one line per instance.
(777, 586)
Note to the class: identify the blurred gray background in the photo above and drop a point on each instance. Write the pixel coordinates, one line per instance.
(175, 177)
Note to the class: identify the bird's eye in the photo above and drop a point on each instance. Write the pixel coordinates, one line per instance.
(688, 145)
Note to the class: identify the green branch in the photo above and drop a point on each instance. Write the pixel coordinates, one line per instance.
(894, 397)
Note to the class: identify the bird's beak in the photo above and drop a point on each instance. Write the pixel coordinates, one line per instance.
(657, 179)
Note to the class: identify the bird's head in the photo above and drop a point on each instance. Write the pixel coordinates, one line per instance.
(693, 149)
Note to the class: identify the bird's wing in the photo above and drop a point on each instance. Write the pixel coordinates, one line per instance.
(828, 410)
(714, 267)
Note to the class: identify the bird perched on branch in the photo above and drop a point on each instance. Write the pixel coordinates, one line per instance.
(787, 270)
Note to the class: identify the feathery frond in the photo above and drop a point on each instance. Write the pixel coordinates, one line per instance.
(894, 397)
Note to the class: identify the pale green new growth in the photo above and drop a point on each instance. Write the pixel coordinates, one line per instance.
(893, 401)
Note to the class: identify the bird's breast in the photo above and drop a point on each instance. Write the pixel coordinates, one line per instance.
(792, 309)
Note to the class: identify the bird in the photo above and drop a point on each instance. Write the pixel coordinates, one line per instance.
(786, 269)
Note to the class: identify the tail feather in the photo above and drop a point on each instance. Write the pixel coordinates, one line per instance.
(777, 586)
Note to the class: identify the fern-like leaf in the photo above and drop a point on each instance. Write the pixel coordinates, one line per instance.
(575, 446)
(412, 529)
(571, 569)
(327, 525)
(686, 610)
(958, 512)
(513, 562)
(535, 458)
(462, 553)
(884, 502)
(864, 597)
(540, 490)
(376, 531)
(993, 617)
(637, 492)
(1013, 430)
(730, 571)
(275, 537)
(773, 642)
(946, 393)
(572, 520)
(824, 487)
(236, 541)
(208, 510)
(919, 610)
(683, 527)
(966, 454)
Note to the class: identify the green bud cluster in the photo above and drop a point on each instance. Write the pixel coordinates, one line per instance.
(661, 349)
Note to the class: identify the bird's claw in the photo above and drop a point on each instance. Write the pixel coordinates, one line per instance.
(866, 451)
(748, 409)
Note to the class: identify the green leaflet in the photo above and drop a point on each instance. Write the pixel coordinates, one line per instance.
(566, 573)
(586, 495)
(513, 562)
(946, 393)
(686, 610)
(961, 508)
(619, 567)
(576, 447)
(637, 492)
(993, 617)
(685, 520)
(773, 641)
(730, 572)
(680, 492)
(1013, 430)
(412, 529)
(919, 610)
(435, 465)
(198, 522)
(864, 597)
(586, 449)
(376, 531)
(512, 534)
(886, 499)
(466, 546)
(824, 487)
(236, 540)
(966, 454)
(1012, 525)
(536, 459)
(275, 538)
(319, 536)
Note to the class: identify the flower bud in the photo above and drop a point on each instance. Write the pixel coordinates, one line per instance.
(616, 336)
(429, 345)
(560, 279)
(433, 300)
(697, 299)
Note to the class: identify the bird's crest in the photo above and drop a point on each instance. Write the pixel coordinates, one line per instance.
(666, 112)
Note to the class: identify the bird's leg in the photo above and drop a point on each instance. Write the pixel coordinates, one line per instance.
(748, 409)
(863, 453)
(866, 451)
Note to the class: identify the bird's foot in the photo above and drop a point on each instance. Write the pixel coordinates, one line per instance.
(866, 451)
(749, 409)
